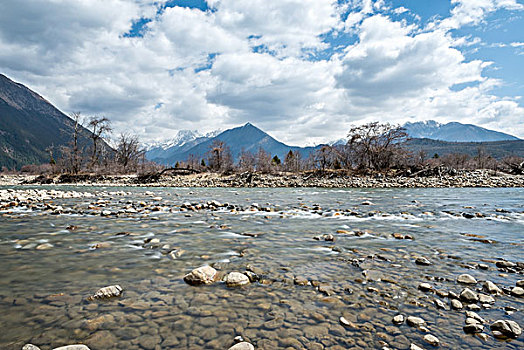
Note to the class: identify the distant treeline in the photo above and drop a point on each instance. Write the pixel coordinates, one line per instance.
(373, 147)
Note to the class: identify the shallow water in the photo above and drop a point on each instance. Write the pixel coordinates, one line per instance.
(373, 276)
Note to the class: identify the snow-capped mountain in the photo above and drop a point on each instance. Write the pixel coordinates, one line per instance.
(454, 132)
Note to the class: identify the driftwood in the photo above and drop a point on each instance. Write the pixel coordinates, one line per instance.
(516, 168)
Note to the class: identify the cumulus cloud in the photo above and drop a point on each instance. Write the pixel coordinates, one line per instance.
(269, 62)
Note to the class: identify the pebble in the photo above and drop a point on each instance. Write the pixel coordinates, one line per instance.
(466, 279)
(456, 304)
(431, 339)
(398, 319)
(517, 292)
(415, 347)
(520, 283)
(415, 321)
(425, 287)
(344, 322)
(422, 261)
(73, 347)
(202, 275)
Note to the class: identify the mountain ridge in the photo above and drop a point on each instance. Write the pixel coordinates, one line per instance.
(29, 124)
(454, 132)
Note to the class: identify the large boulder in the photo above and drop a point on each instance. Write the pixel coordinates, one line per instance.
(202, 275)
(506, 329)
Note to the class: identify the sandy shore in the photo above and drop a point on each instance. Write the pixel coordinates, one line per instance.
(477, 178)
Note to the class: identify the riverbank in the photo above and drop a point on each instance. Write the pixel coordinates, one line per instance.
(476, 178)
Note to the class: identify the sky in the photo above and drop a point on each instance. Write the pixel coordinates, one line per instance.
(302, 70)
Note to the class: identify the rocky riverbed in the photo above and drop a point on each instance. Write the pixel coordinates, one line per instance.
(147, 268)
(477, 178)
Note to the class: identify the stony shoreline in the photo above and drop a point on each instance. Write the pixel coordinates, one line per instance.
(476, 178)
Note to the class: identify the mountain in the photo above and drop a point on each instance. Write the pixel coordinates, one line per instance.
(247, 137)
(496, 149)
(29, 124)
(454, 132)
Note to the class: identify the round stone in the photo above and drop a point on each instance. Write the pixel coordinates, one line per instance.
(415, 321)
(236, 279)
(242, 346)
(431, 339)
(202, 275)
(466, 279)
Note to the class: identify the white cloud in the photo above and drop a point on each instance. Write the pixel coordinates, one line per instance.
(197, 69)
(472, 12)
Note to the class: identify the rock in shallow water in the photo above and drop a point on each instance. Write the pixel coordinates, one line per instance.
(492, 288)
(73, 347)
(30, 347)
(422, 261)
(466, 279)
(415, 321)
(236, 279)
(242, 346)
(107, 292)
(202, 275)
(469, 296)
(431, 339)
(506, 329)
(517, 292)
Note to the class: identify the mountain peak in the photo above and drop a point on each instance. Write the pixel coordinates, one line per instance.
(454, 132)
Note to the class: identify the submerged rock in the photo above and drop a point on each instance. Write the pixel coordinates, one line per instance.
(202, 275)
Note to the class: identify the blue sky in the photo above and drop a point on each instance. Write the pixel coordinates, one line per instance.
(303, 70)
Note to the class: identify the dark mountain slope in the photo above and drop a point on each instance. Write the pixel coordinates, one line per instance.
(29, 124)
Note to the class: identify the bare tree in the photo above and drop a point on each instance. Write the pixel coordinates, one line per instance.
(128, 152)
(193, 162)
(219, 157)
(246, 161)
(325, 157)
(375, 145)
(263, 161)
(100, 127)
(71, 160)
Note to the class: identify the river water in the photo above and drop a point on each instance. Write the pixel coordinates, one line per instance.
(146, 244)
